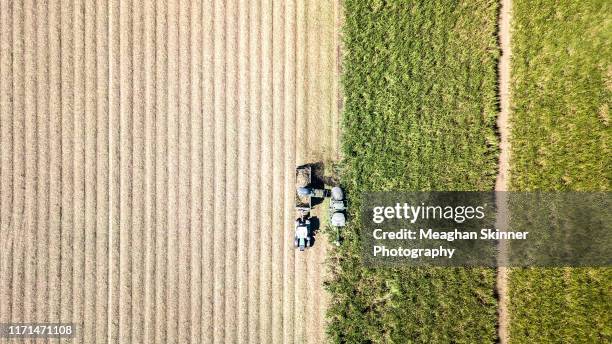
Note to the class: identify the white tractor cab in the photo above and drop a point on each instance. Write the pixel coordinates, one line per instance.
(302, 234)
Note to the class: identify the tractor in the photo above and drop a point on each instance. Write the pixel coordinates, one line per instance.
(304, 192)
(303, 234)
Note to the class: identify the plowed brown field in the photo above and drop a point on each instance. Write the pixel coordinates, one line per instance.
(147, 156)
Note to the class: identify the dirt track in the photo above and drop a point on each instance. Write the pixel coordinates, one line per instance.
(147, 164)
(503, 174)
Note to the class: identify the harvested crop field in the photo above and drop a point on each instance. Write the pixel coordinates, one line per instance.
(147, 167)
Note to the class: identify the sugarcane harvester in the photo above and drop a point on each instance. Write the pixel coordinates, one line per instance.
(337, 211)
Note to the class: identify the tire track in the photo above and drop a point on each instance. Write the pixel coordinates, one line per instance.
(124, 230)
(184, 173)
(150, 167)
(266, 182)
(231, 168)
(301, 137)
(278, 103)
(138, 176)
(243, 196)
(6, 149)
(196, 182)
(78, 166)
(209, 169)
(219, 174)
(18, 194)
(90, 160)
(501, 184)
(67, 214)
(55, 159)
(172, 277)
(102, 228)
(256, 173)
(289, 164)
(42, 151)
(115, 170)
(161, 171)
(28, 303)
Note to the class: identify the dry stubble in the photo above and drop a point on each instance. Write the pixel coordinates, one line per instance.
(164, 136)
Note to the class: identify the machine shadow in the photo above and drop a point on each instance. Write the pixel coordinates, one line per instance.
(315, 225)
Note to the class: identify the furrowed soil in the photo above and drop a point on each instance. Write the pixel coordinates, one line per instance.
(148, 155)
